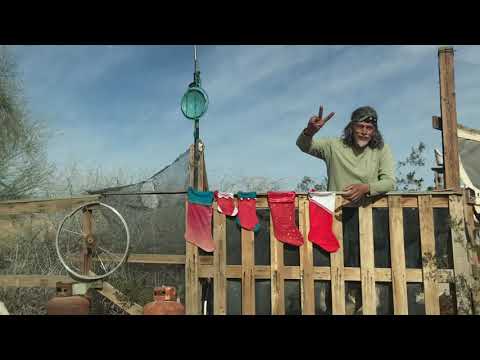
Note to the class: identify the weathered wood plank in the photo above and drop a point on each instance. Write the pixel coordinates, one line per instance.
(306, 260)
(235, 271)
(115, 296)
(219, 263)
(29, 281)
(449, 117)
(192, 286)
(461, 265)
(429, 264)
(410, 201)
(322, 273)
(397, 251)
(336, 263)
(25, 207)
(277, 279)
(248, 276)
(367, 266)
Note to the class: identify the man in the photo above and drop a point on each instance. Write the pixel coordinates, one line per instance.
(359, 163)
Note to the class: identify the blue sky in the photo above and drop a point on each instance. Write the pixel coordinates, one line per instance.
(118, 106)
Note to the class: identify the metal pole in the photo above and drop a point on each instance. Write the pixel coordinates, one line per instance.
(196, 129)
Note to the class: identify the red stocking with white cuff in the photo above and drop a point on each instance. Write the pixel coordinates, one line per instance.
(322, 209)
(226, 203)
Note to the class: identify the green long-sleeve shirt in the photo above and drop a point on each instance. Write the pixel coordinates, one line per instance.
(344, 167)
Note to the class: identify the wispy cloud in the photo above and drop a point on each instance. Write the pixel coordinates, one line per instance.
(120, 105)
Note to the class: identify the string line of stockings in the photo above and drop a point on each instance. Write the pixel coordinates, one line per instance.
(244, 209)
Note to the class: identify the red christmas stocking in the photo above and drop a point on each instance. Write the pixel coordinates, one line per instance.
(322, 209)
(199, 219)
(282, 208)
(226, 203)
(247, 211)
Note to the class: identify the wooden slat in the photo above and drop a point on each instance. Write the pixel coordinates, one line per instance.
(165, 259)
(219, 262)
(306, 260)
(461, 265)
(439, 201)
(192, 286)
(322, 273)
(30, 281)
(336, 263)
(397, 254)
(449, 118)
(277, 279)
(427, 240)
(367, 265)
(291, 273)
(233, 271)
(156, 259)
(409, 201)
(192, 297)
(383, 275)
(414, 275)
(25, 207)
(206, 271)
(111, 294)
(352, 274)
(248, 278)
(262, 272)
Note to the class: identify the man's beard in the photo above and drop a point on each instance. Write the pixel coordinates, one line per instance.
(362, 143)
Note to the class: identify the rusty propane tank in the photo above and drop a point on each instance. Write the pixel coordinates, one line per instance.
(64, 303)
(165, 303)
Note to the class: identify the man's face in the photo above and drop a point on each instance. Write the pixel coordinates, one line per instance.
(363, 133)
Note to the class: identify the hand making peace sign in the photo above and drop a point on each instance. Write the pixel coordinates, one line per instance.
(317, 122)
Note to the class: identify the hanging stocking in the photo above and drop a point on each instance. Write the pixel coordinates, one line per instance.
(322, 209)
(199, 219)
(247, 211)
(226, 203)
(282, 208)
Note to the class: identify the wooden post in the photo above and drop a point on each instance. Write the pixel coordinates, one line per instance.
(429, 262)
(367, 260)
(248, 272)
(449, 118)
(461, 265)
(192, 259)
(306, 260)
(276, 273)
(397, 250)
(337, 263)
(219, 262)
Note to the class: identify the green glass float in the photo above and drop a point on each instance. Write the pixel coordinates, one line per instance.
(194, 102)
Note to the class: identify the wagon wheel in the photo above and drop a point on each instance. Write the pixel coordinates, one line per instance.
(92, 241)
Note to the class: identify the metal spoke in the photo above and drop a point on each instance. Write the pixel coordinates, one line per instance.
(101, 262)
(73, 232)
(108, 252)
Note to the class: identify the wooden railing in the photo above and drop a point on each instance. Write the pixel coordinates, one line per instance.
(337, 274)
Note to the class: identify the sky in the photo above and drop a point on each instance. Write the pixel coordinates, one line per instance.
(118, 106)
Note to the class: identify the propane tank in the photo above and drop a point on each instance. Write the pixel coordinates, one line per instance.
(165, 302)
(64, 303)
